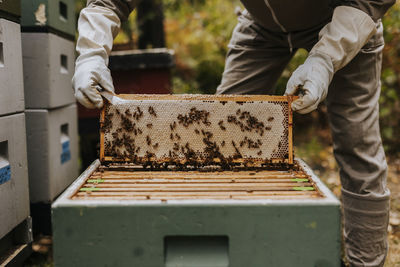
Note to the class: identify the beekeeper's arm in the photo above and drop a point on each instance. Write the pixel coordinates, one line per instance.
(339, 42)
(98, 24)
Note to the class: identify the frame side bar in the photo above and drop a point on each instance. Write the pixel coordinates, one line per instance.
(290, 129)
(102, 114)
(77, 184)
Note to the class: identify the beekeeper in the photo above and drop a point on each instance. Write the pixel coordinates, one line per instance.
(345, 42)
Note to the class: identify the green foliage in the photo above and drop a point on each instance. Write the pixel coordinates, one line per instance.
(199, 32)
(390, 95)
(79, 4)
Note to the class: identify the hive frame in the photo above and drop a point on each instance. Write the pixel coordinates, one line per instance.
(221, 98)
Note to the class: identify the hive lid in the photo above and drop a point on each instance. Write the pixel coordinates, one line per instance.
(225, 130)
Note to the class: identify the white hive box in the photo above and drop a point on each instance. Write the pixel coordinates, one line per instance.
(11, 86)
(14, 190)
(48, 69)
(52, 151)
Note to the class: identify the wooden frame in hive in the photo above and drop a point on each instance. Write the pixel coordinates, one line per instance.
(253, 130)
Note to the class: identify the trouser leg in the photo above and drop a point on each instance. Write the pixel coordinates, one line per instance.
(354, 117)
(255, 59)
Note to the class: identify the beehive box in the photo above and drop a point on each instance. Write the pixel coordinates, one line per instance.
(11, 86)
(147, 219)
(49, 16)
(52, 151)
(184, 199)
(48, 69)
(14, 190)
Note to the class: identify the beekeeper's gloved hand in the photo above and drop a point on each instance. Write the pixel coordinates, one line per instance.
(311, 81)
(88, 76)
(339, 42)
(97, 28)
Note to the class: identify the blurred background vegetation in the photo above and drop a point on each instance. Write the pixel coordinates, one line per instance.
(199, 31)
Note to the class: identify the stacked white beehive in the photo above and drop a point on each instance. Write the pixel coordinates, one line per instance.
(15, 230)
(51, 114)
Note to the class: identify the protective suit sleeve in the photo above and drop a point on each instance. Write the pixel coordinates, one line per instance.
(344, 36)
(98, 25)
(374, 8)
(339, 42)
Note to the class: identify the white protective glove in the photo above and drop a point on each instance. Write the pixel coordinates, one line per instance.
(339, 42)
(97, 28)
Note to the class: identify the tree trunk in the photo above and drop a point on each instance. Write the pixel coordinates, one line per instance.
(150, 19)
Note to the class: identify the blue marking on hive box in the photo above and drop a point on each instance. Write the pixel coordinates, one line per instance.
(66, 152)
(5, 174)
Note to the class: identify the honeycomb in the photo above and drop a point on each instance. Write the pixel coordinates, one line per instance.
(194, 129)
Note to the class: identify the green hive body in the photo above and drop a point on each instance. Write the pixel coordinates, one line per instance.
(196, 233)
(58, 15)
(12, 7)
